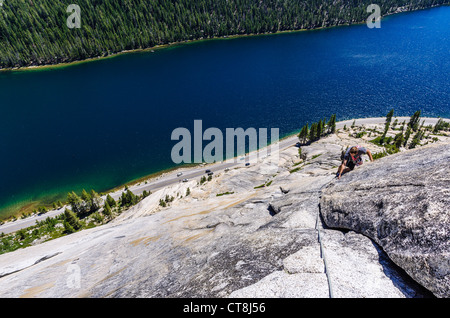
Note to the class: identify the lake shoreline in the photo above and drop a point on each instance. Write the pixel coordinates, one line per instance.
(175, 44)
(28, 205)
(184, 167)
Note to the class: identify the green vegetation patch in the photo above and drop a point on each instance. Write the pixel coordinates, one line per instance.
(225, 193)
(36, 32)
(87, 210)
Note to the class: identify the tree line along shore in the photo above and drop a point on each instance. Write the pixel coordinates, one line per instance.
(408, 135)
(87, 209)
(36, 33)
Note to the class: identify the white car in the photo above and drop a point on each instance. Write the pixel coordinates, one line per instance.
(185, 180)
(179, 174)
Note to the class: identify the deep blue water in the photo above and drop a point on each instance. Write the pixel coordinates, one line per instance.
(100, 124)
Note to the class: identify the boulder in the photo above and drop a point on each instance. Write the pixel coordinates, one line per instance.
(402, 203)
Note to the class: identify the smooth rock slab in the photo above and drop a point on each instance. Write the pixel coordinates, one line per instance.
(283, 285)
(402, 203)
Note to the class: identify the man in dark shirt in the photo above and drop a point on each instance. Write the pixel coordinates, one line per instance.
(352, 158)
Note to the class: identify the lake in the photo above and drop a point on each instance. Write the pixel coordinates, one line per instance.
(101, 124)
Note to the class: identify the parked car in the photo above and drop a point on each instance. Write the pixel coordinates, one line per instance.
(208, 171)
(247, 164)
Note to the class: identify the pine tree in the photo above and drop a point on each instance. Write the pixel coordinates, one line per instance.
(414, 121)
(107, 209)
(75, 202)
(145, 194)
(388, 121)
(399, 140)
(416, 139)
(331, 125)
(71, 221)
(407, 135)
(91, 202)
(389, 116)
(313, 132)
(95, 201)
(319, 131)
(85, 196)
(111, 202)
(441, 124)
(68, 228)
(128, 198)
(303, 135)
(387, 125)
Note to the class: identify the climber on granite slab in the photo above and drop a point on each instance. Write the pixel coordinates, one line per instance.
(352, 158)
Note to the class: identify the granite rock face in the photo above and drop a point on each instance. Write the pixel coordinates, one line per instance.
(402, 203)
(255, 242)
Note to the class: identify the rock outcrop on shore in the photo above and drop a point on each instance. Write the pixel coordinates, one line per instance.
(402, 203)
(263, 236)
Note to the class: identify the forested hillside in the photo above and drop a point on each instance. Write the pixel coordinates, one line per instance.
(34, 32)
